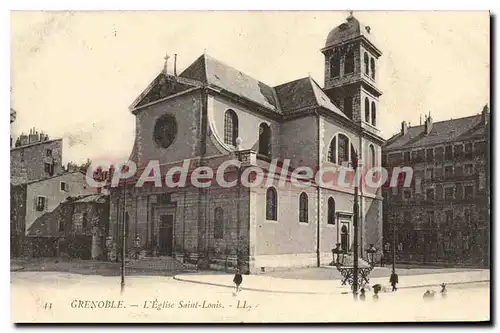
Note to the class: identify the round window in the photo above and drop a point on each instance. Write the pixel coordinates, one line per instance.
(165, 130)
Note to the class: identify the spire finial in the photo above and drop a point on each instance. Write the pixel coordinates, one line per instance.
(165, 66)
(351, 16)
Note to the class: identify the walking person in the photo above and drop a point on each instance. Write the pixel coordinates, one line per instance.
(444, 291)
(238, 279)
(394, 281)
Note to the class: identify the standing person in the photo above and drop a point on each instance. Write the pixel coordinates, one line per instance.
(362, 296)
(376, 289)
(394, 281)
(238, 279)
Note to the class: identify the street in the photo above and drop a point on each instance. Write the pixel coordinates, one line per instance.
(64, 297)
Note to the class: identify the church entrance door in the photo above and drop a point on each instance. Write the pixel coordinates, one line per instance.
(166, 235)
(344, 237)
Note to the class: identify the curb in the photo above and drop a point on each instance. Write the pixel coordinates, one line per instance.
(16, 269)
(251, 289)
(314, 293)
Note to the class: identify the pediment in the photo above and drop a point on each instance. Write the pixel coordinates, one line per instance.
(162, 87)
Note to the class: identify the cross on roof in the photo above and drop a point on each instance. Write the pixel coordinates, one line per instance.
(165, 67)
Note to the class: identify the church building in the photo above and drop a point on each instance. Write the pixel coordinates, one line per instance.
(211, 113)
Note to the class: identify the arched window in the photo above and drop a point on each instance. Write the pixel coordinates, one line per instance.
(374, 114)
(265, 139)
(367, 110)
(367, 65)
(230, 128)
(354, 156)
(331, 210)
(372, 65)
(335, 65)
(218, 223)
(271, 204)
(303, 205)
(332, 151)
(372, 156)
(349, 62)
(343, 149)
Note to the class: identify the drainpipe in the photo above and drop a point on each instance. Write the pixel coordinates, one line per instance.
(318, 200)
(361, 218)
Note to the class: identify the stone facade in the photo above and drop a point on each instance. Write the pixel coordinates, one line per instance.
(184, 222)
(443, 217)
(35, 157)
(35, 201)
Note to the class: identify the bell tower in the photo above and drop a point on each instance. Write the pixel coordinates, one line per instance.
(351, 72)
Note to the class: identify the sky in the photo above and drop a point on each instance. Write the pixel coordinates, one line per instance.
(74, 74)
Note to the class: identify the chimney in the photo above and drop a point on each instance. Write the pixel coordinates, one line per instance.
(23, 139)
(33, 136)
(428, 124)
(404, 128)
(485, 114)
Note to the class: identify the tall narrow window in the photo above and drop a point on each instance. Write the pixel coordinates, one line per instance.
(218, 223)
(372, 63)
(349, 62)
(354, 156)
(303, 206)
(265, 140)
(374, 114)
(335, 65)
(348, 107)
(271, 204)
(367, 68)
(49, 168)
(343, 149)
(85, 221)
(331, 211)
(367, 110)
(372, 156)
(230, 128)
(332, 151)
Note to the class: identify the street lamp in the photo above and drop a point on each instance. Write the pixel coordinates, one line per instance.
(354, 162)
(122, 284)
(371, 251)
(239, 142)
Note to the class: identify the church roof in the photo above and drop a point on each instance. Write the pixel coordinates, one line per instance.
(441, 132)
(211, 71)
(285, 98)
(304, 93)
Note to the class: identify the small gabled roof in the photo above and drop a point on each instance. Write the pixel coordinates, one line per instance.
(304, 93)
